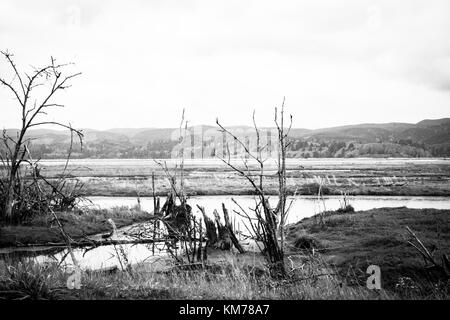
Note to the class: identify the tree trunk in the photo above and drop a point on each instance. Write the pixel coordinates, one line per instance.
(9, 198)
(9, 201)
(277, 270)
(211, 232)
(228, 225)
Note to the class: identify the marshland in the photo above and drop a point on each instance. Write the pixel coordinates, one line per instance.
(209, 177)
(348, 215)
(266, 210)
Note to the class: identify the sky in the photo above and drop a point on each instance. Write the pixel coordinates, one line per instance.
(336, 62)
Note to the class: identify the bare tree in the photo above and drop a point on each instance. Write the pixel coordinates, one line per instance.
(266, 224)
(50, 79)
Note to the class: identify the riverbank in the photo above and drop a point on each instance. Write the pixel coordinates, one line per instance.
(311, 189)
(78, 224)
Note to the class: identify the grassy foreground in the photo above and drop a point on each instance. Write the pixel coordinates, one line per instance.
(335, 269)
(76, 224)
(228, 280)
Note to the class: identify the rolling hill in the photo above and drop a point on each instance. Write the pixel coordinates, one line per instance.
(426, 138)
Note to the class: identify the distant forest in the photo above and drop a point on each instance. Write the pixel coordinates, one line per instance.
(428, 138)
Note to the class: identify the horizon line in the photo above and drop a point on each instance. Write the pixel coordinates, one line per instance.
(231, 126)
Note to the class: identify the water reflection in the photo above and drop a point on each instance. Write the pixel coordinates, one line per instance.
(302, 206)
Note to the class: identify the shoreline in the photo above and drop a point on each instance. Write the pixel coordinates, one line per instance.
(204, 193)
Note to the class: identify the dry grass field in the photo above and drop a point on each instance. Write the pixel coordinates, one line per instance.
(413, 177)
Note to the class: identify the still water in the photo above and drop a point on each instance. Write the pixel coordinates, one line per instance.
(302, 206)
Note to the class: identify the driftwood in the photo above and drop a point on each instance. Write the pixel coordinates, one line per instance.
(107, 270)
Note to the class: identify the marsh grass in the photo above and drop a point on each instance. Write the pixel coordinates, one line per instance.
(230, 279)
(25, 280)
(353, 241)
(106, 178)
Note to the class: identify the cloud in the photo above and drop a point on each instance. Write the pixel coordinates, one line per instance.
(221, 58)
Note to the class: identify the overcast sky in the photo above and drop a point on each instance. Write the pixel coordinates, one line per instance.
(337, 62)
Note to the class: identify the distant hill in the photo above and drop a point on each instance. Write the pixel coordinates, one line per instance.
(426, 138)
(432, 123)
(364, 132)
(129, 132)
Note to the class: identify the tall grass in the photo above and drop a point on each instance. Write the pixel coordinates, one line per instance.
(229, 280)
(25, 280)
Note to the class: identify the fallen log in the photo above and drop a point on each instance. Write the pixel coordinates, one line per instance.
(93, 243)
(107, 270)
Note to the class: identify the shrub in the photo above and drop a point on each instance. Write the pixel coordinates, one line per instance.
(347, 209)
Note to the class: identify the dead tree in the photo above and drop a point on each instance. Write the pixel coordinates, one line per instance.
(266, 223)
(220, 235)
(211, 232)
(182, 226)
(231, 230)
(50, 79)
(224, 238)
